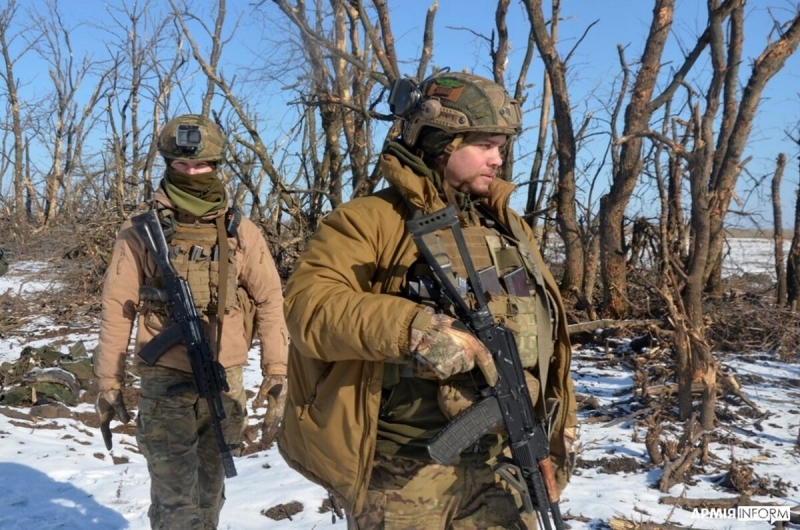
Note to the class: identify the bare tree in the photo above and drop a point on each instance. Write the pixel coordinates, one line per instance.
(210, 68)
(793, 260)
(711, 171)
(144, 68)
(777, 216)
(735, 127)
(351, 61)
(572, 279)
(11, 87)
(64, 137)
(628, 169)
(693, 352)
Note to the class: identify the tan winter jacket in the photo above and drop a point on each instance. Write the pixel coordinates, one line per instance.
(131, 264)
(345, 319)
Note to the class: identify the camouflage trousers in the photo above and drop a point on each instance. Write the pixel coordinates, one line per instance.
(410, 494)
(176, 437)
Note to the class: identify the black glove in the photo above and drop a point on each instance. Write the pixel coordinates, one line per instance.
(110, 404)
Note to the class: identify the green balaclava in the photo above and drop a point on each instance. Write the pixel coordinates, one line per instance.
(198, 194)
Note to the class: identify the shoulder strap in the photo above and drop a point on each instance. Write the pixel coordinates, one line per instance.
(233, 218)
(222, 283)
(227, 226)
(167, 219)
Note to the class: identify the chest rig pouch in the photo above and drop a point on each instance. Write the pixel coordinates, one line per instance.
(194, 252)
(515, 293)
(514, 290)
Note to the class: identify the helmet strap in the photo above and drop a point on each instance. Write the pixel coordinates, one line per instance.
(439, 162)
(452, 146)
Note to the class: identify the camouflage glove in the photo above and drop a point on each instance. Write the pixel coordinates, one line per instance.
(447, 347)
(273, 390)
(110, 404)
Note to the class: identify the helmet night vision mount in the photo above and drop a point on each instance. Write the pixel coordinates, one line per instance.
(405, 94)
(403, 97)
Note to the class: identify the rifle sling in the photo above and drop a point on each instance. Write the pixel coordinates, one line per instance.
(222, 283)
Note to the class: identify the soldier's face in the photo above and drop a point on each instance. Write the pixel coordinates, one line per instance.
(191, 167)
(472, 167)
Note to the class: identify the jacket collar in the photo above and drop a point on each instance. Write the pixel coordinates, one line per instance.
(420, 191)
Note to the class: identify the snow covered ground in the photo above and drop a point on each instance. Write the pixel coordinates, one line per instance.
(56, 473)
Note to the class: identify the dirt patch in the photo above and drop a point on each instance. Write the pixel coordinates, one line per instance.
(283, 511)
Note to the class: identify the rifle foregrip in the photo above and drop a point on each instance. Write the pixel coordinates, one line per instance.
(545, 494)
(549, 476)
(465, 429)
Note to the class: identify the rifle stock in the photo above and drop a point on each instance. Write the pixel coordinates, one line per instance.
(508, 403)
(208, 374)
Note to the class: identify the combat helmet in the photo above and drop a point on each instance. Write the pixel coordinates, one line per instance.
(192, 137)
(456, 104)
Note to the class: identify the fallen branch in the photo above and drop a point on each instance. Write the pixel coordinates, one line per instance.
(628, 417)
(719, 503)
(620, 523)
(731, 386)
(594, 325)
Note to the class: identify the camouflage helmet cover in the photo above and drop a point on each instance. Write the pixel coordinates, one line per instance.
(458, 103)
(192, 137)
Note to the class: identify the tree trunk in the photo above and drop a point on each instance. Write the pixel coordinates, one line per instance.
(592, 263)
(567, 218)
(682, 349)
(765, 67)
(676, 227)
(626, 174)
(780, 270)
(538, 178)
(793, 260)
(13, 107)
(702, 365)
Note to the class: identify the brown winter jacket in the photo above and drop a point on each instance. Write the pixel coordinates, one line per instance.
(131, 264)
(345, 319)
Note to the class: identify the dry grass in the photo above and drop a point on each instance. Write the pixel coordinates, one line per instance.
(77, 255)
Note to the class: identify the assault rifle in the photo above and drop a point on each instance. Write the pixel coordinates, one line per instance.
(208, 374)
(508, 404)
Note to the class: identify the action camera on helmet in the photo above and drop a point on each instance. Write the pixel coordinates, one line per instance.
(189, 138)
(192, 137)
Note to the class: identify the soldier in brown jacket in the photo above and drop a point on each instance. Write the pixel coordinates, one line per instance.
(378, 365)
(174, 430)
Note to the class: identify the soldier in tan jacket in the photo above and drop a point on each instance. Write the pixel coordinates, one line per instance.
(378, 364)
(174, 430)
